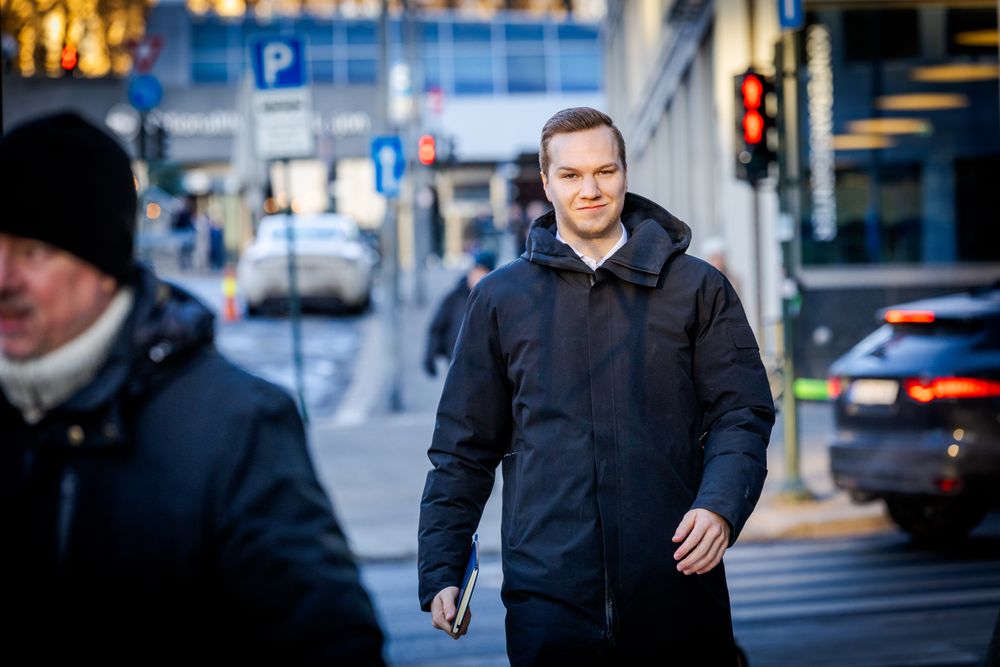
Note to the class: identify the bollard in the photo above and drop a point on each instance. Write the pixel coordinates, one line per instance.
(229, 311)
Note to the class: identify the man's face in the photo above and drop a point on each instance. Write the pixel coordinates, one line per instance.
(586, 184)
(47, 297)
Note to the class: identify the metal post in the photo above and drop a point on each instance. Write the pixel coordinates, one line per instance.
(294, 309)
(793, 489)
(758, 261)
(390, 240)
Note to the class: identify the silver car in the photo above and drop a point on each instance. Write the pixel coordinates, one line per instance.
(334, 265)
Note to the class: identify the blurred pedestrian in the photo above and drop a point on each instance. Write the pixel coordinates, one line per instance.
(185, 232)
(714, 252)
(448, 319)
(618, 383)
(158, 505)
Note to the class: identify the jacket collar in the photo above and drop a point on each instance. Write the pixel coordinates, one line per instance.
(655, 235)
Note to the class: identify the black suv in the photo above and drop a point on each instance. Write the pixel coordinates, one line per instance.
(917, 410)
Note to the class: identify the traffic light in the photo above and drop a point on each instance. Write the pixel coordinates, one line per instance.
(161, 141)
(68, 60)
(427, 149)
(754, 122)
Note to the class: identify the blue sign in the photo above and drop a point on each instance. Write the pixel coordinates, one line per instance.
(279, 62)
(790, 14)
(145, 92)
(387, 153)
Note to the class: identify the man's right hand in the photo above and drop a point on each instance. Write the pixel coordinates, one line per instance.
(443, 612)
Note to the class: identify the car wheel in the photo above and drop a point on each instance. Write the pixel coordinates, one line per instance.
(933, 519)
(253, 310)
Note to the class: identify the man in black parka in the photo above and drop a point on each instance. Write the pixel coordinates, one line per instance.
(157, 504)
(616, 380)
(443, 331)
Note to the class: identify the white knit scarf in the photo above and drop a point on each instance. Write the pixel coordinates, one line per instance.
(35, 386)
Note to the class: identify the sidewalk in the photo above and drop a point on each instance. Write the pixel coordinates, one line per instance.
(374, 462)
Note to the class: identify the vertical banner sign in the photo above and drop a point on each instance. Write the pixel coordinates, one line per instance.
(282, 103)
(821, 159)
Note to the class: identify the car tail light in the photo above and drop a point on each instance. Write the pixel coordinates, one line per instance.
(925, 391)
(949, 485)
(896, 316)
(833, 387)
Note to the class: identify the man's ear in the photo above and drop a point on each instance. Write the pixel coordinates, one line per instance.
(545, 185)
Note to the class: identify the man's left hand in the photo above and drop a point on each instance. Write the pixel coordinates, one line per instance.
(705, 537)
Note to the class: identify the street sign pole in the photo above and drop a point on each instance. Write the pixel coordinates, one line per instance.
(294, 307)
(283, 123)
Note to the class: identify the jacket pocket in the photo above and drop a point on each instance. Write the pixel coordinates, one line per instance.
(742, 336)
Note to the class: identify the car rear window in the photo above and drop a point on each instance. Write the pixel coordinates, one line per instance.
(311, 234)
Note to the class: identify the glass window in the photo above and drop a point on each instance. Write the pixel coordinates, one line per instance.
(361, 70)
(581, 72)
(321, 71)
(471, 33)
(432, 73)
(361, 33)
(900, 141)
(318, 34)
(473, 75)
(524, 32)
(578, 33)
(209, 72)
(430, 32)
(209, 35)
(525, 74)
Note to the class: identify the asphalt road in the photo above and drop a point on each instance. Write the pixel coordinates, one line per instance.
(877, 601)
(263, 346)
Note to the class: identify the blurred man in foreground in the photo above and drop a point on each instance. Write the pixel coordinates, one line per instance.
(157, 503)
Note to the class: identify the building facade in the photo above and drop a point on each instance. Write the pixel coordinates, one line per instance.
(459, 73)
(888, 138)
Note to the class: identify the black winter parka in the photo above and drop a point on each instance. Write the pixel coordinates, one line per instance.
(168, 513)
(616, 400)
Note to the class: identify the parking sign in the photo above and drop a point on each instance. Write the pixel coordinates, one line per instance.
(282, 102)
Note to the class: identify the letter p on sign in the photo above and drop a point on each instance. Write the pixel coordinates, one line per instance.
(277, 56)
(279, 62)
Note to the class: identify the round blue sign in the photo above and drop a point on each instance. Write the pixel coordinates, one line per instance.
(145, 92)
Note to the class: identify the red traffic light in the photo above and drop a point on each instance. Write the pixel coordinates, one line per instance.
(68, 60)
(753, 91)
(426, 149)
(753, 127)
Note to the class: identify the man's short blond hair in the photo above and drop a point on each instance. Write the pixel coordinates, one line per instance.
(577, 119)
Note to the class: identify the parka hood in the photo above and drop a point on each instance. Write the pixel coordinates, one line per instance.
(655, 235)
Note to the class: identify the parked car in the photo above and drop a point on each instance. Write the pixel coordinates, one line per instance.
(334, 266)
(917, 411)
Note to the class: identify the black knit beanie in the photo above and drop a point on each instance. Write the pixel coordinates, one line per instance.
(70, 184)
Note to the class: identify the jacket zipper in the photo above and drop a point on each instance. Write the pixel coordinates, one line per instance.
(64, 518)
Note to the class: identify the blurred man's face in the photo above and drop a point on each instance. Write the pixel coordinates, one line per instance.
(586, 184)
(47, 297)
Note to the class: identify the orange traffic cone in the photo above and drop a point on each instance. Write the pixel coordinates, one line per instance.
(230, 313)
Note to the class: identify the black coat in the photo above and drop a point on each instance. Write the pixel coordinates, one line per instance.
(169, 512)
(616, 400)
(443, 331)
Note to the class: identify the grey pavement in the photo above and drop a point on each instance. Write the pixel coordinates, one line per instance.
(374, 462)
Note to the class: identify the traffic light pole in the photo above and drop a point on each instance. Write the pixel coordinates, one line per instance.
(793, 489)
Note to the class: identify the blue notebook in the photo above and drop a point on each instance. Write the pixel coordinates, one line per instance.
(468, 584)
